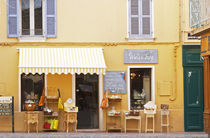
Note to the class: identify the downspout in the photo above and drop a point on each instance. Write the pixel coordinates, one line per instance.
(181, 34)
(174, 92)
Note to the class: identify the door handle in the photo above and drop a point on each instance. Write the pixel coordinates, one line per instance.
(197, 101)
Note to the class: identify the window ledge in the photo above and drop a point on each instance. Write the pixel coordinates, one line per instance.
(140, 39)
(32, 39)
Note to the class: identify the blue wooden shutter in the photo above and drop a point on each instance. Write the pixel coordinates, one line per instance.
(12, 18)
(51, 23)
(146, 17)
(134, 18)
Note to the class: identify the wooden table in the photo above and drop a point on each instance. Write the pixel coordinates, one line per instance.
(32, 117)
(138, 118)
(70, 117)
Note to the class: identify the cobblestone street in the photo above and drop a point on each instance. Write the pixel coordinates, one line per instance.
(104, 135)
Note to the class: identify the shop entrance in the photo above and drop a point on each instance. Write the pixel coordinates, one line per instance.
(87, 101)
(140, 87)
(193, 88)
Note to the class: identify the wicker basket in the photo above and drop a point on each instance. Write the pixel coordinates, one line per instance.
(30, 106)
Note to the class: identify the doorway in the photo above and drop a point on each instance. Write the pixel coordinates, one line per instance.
(87, 101)
(193, 88)
(141, 86)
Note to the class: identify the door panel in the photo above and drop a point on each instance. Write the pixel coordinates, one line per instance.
(193, 101)
(87, 101)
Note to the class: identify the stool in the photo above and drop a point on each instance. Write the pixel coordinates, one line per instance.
(153, 122)
(165, 113)
(32, 118)
(70, 118)
(138, 118)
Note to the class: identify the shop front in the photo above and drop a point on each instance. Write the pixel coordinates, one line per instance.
(76, 72)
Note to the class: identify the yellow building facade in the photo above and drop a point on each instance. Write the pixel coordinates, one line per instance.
(101, 24)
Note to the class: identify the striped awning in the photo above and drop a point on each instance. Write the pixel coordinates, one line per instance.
(61, 60)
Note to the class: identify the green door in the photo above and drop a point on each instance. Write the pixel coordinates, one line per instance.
(193, 88)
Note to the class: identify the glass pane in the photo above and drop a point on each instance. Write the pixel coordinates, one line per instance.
(38, 17)
(140, 87)
(31, 90)
(87, 101)
(25, 5)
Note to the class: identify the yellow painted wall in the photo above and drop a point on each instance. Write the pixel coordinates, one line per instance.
(88, 23)
(103, 21)
(63, 82)
(164, 71)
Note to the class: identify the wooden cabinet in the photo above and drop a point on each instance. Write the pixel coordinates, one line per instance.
(51, 119)
(114, 116)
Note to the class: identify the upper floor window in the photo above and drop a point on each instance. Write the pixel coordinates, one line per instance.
(140, 18)
(31, 18)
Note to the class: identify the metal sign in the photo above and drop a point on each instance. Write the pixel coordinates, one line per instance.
(133, 56)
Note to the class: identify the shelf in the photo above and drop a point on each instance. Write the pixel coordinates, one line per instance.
(132, 129)
(114, 115)
(52, 99)
(50, 115)
(50, 129)
(114, 128)
(114, 99)
(113, 122)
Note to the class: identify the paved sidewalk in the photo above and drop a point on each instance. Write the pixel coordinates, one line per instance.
(103, 135)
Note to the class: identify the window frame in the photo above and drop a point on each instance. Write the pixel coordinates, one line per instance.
(152, 83)
(21, 92)
(140, 36)
(32, 21)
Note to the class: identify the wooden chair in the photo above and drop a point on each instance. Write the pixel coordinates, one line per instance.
(32, 118)
(152, 116)
(70, 118)
(164, 124)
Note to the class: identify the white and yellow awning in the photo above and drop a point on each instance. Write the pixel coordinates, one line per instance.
(61, 60)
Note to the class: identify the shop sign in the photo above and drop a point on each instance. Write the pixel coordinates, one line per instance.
(6, 105)
(134, 56)
(115, 82)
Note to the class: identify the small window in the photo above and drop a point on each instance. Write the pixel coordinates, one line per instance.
(140, 18)
(140, 87)
(31, 89)
(31, 17)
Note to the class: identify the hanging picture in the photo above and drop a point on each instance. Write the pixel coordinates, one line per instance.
(115, 82)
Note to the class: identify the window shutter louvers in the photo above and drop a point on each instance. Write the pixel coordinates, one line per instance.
(51, 23)
(134, 17)
(146, 17)
(12, 18)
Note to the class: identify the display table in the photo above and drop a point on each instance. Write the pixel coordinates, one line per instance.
(32, 117)
(138, 118)
(70, 118)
